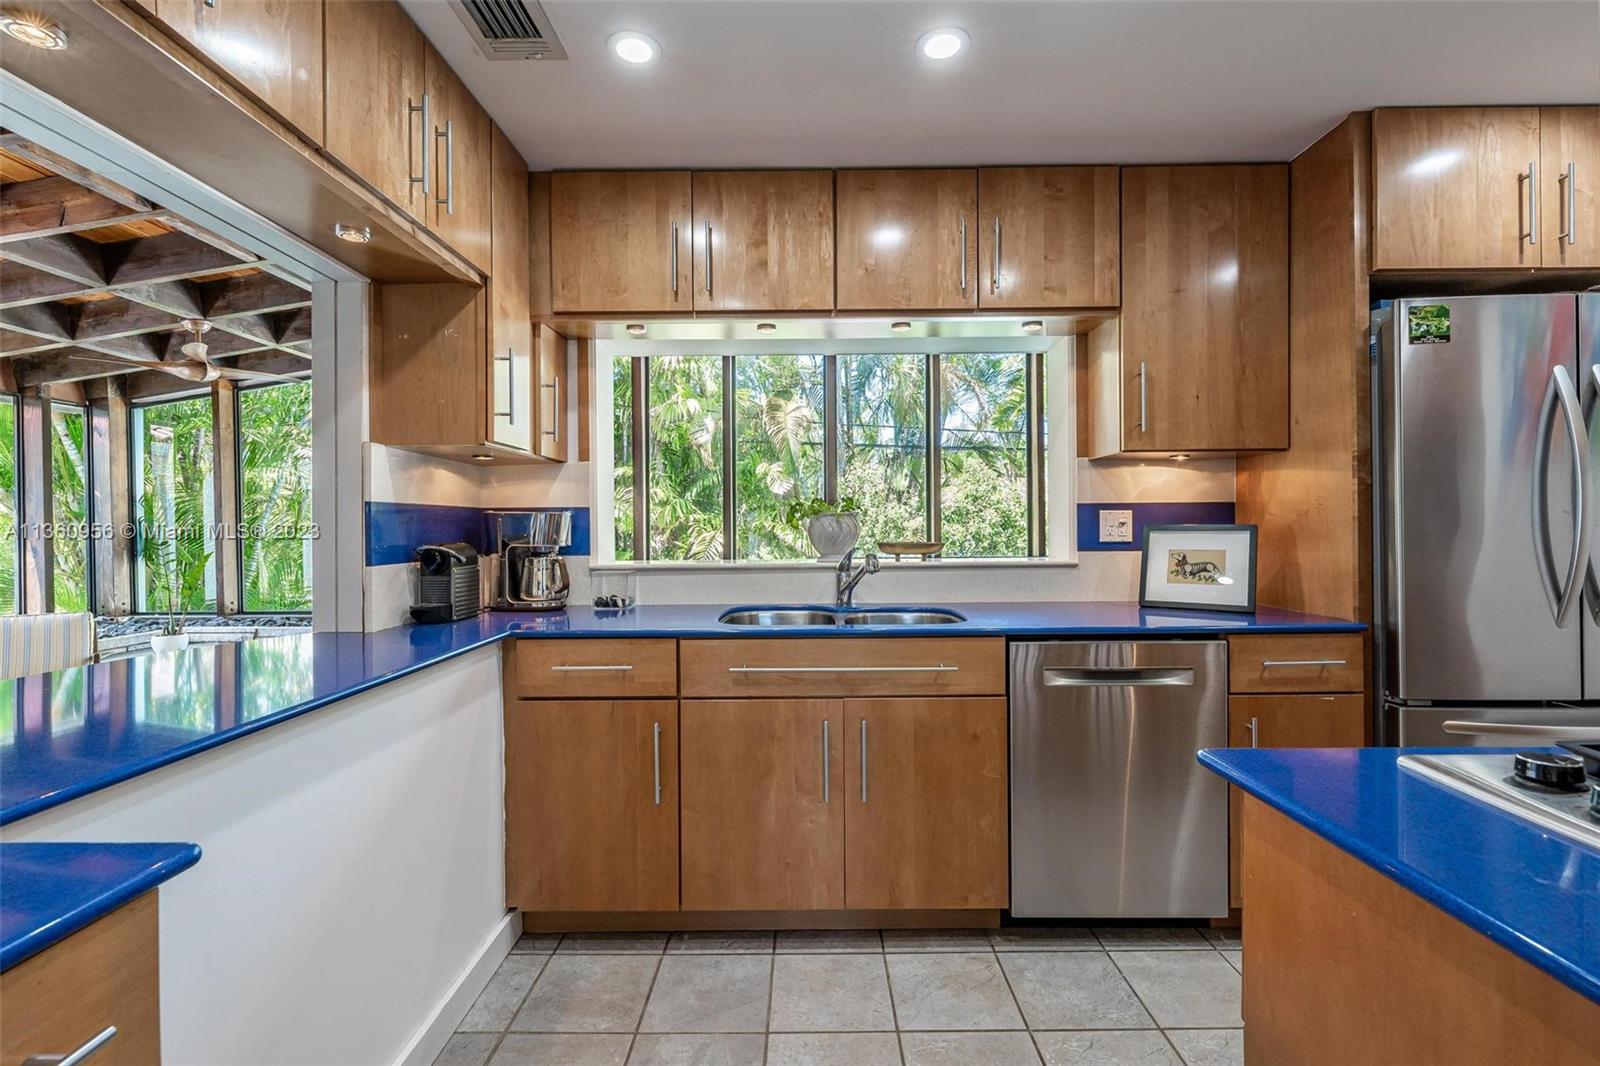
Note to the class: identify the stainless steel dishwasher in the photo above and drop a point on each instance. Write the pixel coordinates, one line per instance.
(1111, 816)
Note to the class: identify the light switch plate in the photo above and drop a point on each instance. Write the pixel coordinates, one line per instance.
(1116, 527)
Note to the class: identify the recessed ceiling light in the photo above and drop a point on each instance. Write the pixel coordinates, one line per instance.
(900, 327)
(1179, 457)
(482, 457)
(766, 327)
(1033, 325)
(33, 29)
(353, 234)
(942, 43)
(631, 47)
(635, 329)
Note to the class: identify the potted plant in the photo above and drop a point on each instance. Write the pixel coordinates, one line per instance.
(832, 528)
(175, 579)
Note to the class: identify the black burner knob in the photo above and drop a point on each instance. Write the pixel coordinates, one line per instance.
(1564, 772)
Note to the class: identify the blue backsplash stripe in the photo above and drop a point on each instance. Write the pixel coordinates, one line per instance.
(396, 530)
(1147, 514)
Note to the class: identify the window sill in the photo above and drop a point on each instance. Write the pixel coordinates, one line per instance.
(816, 566)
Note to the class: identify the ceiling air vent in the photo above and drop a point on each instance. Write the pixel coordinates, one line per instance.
(509, 29)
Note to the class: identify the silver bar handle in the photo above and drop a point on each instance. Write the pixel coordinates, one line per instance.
(656, 741)
(1579, 733)
(1532, 178)
(511, 386)
(598, 668)
(708, 258)
(1254, 736)
(426, 178)
(1114, 678)
(1562, 596)
(1568, 183)
(963, 231)
(73, 1058)
(448, 200)
(994, 268)
(555, 410)
(1305, 662)
(863, 760)
(827, 769)
(674, 260)
(940, 669)
(1144, 397)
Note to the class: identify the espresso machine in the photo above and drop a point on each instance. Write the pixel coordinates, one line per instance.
(530, 573)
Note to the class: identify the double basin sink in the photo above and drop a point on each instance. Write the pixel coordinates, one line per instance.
(844, 616)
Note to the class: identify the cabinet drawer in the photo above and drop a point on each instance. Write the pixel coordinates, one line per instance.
(602, 669)
(845, 666)
(1312, 662)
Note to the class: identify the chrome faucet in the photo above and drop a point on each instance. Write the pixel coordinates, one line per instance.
(845, 579)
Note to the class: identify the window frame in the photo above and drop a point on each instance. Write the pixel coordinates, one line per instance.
(240, 542)
(13, 401)
(1050, 463)
(137, 590)
(89, 586)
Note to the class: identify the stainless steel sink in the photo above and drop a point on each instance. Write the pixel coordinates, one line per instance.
(780, 616)
(897, 617)
(821, 616)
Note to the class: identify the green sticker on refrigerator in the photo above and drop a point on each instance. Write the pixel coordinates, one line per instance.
(1428, 324)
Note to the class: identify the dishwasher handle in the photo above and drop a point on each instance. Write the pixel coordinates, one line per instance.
(1113, 677)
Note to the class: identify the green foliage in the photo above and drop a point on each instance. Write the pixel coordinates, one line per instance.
(777, 415)
(69, 488)
(8, 505)
(798, 511)
(275, 491)
(685, 457)
(173, 443)
(883, 443)
(623, 457)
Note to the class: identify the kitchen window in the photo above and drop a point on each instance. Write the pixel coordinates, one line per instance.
(10, 538)
(275, 497)
(173, 505)
(709, 450)
(69, 513)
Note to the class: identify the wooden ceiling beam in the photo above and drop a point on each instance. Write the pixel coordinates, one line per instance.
(73, 364)
(65, 255)
(55, 205)
(120, 317)
(169, 257)
(294, 327)
(18, 145)
(254, 294)
(21, 285)
(36, 324)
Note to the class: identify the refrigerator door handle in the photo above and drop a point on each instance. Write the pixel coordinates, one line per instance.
(1591, 577)
(1562, 595)
(1552, 733)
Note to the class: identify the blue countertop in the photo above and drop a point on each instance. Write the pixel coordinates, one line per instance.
(1533, 893)
(70, 733)
(50, 891)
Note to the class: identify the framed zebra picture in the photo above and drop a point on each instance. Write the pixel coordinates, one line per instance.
(1205, 568)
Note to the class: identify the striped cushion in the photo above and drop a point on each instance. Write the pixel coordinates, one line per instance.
(39, 643)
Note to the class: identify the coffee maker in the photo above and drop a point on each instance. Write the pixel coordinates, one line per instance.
(531, 575)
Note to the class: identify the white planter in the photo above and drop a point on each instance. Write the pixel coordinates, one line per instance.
(833, 534)
(163, 643)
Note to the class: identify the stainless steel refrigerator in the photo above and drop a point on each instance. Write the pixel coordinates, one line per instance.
(1486, 451)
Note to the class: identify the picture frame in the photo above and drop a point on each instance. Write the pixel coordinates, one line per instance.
(1199, 568)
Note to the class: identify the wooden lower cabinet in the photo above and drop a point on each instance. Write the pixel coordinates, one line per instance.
(763, 805)
(592, 805)
(106, 974)
(1302, 721)
(926, 793)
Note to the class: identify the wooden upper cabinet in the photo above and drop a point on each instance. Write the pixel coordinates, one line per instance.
(1569, 177)
(458, 158)
(1048, 237)
(271, 47)
(512, 384)
(592, 805)
(763, 805)
(926, 804)
(1450, 187)
(376, 69)
(555, 395)
(619, 241)
(763, 240)
(428, 372)
(907, 240)
(1205, 308)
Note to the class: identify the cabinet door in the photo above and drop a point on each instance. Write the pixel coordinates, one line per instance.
(551, 403)
(375, 70)
(592, 805)
(429, 380)
(907, 240)
(763, 805)
(271, 47)
(1048, 237)
(619, 241)
(459, 158)
(925, 795)
(763, 240)
(1449, 187)
(512, 374)
(1286, 722)
(1569, 170)
(1205, 308)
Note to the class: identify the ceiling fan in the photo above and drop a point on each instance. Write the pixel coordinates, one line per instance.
(196, 365)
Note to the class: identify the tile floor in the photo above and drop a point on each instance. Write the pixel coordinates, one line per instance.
(1056, 996)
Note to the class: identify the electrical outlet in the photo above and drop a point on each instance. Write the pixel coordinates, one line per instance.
(1116, 527)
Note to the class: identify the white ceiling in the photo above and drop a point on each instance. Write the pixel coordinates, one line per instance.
(786, 83)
